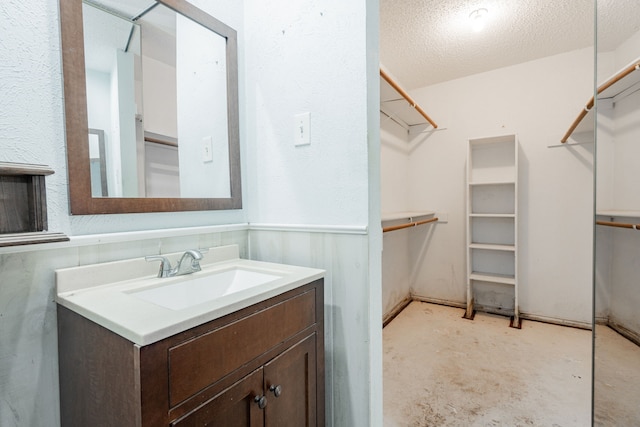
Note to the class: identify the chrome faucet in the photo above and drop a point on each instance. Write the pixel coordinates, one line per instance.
(189, 263)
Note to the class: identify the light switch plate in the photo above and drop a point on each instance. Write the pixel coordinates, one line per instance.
(207, 149)
(301, 129)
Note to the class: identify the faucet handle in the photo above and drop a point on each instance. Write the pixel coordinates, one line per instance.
(165, 264)
(189, 263)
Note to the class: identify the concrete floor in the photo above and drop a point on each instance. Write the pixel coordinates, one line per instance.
(617, 384)
(443, 370)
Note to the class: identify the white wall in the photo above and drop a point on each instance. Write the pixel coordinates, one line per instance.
(624, 296)
(201, 75)
(394, 167)
(123, 87)
(99, 91)
(159, 91)
(625, 257)
(396, 269)
(111, 108)
(394, 185)
(627, 52)
(99, 117)
(321, 58)
(538, 101)
(309, 57)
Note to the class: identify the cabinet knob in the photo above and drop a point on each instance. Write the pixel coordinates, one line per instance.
(276, 389)
(261, 401)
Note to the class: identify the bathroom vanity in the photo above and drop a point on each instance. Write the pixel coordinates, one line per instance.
(250, 357)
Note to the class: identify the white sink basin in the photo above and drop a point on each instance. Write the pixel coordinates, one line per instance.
(197, 290)
(126, 297)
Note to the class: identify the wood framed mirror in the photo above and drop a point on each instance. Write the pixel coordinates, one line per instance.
(206, 137)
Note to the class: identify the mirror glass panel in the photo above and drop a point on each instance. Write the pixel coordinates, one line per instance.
(148, 81)
(160, 93)
(616, 381)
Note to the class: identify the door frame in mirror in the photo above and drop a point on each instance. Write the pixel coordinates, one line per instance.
(81, 201)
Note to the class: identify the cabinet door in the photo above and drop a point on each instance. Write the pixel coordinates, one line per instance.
(234, 407)
(290, 386)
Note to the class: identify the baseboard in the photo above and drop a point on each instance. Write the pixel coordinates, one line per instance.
(439, 301)
(632, 336)
(555, 321)
(388, 317)
(602, 321)
(508, 313)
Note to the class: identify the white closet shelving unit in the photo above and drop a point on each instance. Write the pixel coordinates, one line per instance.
(492, 218)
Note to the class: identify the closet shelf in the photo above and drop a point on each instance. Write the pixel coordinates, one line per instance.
(618, 213)
(618, 84)
(396, 104)
(408, 224)
(504, 279)
(493, 247)
(410, 219)
(504, 182)
(393, 216)
(492, 215)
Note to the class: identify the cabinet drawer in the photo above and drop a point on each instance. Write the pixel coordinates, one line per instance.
(200, 362)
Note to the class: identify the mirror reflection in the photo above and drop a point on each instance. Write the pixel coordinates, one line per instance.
(98, 161)
(616, 382)
(156, 85)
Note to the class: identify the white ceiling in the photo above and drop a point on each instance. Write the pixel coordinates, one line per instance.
(423, 42)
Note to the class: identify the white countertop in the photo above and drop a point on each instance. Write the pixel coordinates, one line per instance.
(102, 293)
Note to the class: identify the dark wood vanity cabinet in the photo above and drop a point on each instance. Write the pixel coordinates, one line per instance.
(278, 394)
(260, 366)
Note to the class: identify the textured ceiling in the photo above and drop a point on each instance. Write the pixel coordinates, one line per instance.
(423, 42)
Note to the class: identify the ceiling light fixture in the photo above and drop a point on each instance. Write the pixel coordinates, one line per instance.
(478, 19)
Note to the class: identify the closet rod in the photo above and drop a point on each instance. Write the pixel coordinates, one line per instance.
(604, 86)
(621, 75)
(406, 96)
(408, 225)
(619, 224)
(577, 121)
